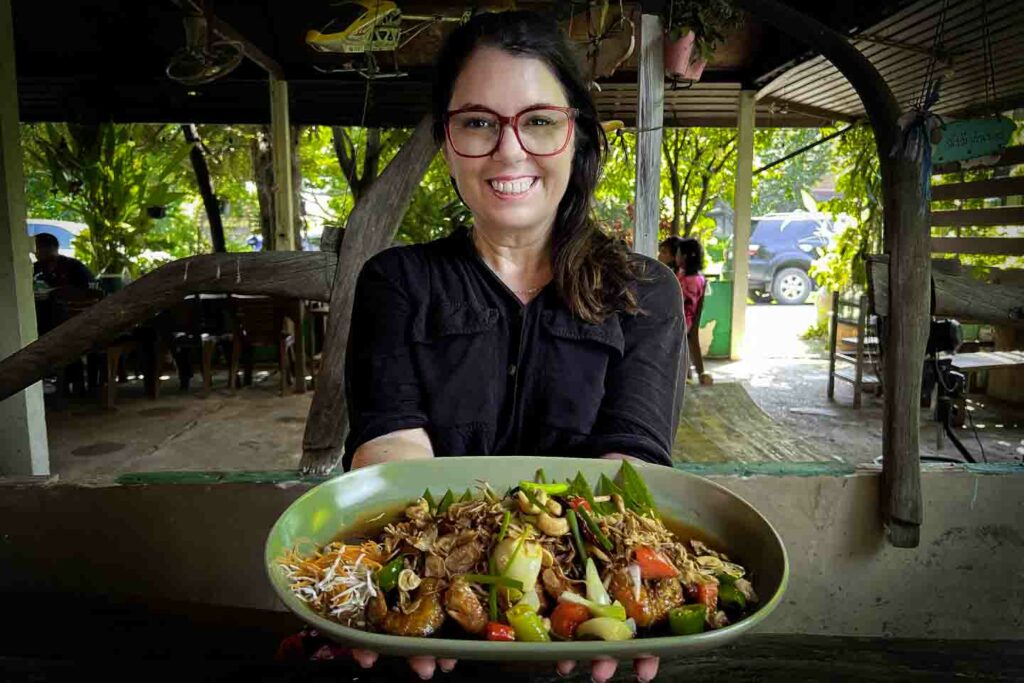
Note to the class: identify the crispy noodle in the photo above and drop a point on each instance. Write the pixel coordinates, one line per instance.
(336, 581)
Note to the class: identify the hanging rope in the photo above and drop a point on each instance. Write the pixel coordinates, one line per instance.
(989, 62)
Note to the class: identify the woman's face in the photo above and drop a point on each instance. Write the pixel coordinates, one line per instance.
(510, 190)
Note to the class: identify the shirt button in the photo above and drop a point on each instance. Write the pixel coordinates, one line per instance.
(512, 370)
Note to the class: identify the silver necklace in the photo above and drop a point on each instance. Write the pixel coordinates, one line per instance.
(526, 292)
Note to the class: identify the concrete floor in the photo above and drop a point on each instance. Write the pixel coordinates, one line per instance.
(256, 429)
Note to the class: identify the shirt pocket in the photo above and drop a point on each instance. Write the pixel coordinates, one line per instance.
(577, 355)
(457, 358)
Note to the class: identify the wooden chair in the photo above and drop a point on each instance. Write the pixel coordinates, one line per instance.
(204, 326)
(864, 359)
(261, 322)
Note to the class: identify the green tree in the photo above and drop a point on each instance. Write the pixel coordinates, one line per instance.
(779, 188)
(697, 167)
(115, 177)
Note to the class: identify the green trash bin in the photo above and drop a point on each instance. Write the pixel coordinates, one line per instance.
(717, 313)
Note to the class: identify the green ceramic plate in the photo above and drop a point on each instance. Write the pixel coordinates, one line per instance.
(338, 504)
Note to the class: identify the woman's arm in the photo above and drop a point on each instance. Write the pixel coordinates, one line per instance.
(387, 418)
(405, 444)
(637, 413)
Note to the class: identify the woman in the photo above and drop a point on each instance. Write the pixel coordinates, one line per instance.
(533, 332)
(667, 251)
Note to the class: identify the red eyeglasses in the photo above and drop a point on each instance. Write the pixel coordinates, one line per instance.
(542, 130)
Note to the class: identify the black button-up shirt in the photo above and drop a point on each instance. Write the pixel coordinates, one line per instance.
(439, 342)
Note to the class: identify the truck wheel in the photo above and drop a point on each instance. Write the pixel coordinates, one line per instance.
(791, 286)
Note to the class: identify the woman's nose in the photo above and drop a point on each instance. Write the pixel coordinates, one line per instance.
(509, 148)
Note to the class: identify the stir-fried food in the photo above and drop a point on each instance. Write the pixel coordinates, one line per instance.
(545, 561)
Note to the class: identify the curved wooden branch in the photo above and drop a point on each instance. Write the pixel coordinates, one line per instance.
(907, 242)
(301, 275)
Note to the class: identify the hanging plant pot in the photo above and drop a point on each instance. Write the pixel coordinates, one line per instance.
(677, 55)
(694, 69)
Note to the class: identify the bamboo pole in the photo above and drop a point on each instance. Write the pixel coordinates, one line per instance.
(650, 119)
(741, 232)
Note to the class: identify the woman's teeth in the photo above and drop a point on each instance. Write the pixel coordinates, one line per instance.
(518, 186)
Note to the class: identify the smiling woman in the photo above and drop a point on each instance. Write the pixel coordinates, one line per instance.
(532, 332)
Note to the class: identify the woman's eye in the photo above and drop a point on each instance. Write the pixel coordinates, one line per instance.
(539, 121)
(479, 123)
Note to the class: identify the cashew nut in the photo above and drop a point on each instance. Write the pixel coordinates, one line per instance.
(525, 505)
(408, 580)
(546, 558)
(620, 504)
(552, 526)
(554, 507)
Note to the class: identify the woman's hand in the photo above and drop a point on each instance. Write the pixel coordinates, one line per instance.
(601, 670)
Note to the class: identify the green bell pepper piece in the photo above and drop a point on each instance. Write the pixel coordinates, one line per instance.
(687, 620)
(730, 596)
(527, 624)
(387, 576)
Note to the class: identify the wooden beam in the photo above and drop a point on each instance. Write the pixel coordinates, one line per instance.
(996, 246)
(980, 189)
(1011, 156)
(994, 217)
(958, 295)
(806, 109)
(22, 417)
(650, 119)
(905, 211)
(741, 230)
(370, 228)
(295, 275)
(281, 149)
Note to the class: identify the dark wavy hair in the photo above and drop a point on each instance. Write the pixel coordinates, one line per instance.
(692, 254)
(595, 274)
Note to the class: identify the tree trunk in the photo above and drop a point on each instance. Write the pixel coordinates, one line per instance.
(210, 202)
(370, 228)
(263, 174)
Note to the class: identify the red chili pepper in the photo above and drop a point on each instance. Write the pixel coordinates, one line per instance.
(577, 501)
(707, 593)
(497, 631)
(654, 565)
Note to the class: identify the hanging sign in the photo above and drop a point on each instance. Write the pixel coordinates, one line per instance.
(971, 138)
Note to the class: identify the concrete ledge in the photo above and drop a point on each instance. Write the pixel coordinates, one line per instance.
(200, 539)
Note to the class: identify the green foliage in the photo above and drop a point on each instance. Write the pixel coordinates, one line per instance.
(858, 210)
(818, 330)
(779, 189)
(709, 20)
(108, 176)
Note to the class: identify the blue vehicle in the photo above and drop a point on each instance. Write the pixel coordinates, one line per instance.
(782, 248)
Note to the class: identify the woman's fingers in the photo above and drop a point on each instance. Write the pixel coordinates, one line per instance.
(565, 667)
(645, 668)
(365, 658)
(447, 664)
(602, 670)
(424, 667)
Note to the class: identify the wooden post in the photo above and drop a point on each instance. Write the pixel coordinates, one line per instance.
(905, 211)
(371, 227)
(24, 449)
(280, 133)
(650, 119)
(741, 232)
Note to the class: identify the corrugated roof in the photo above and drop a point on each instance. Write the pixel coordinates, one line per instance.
(901, 48)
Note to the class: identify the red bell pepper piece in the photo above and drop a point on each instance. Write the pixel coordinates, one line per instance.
(566, 619)
(654, 565)
(498, 631)
(707, 593)
(577, 501)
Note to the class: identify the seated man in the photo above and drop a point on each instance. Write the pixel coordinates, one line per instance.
(57, 270)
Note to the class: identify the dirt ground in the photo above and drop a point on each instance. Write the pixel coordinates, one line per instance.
(256, 429)
(788, 378)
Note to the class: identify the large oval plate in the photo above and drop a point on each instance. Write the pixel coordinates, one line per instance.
(340, 503)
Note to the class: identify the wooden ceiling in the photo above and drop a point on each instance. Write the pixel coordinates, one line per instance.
(100, 60)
